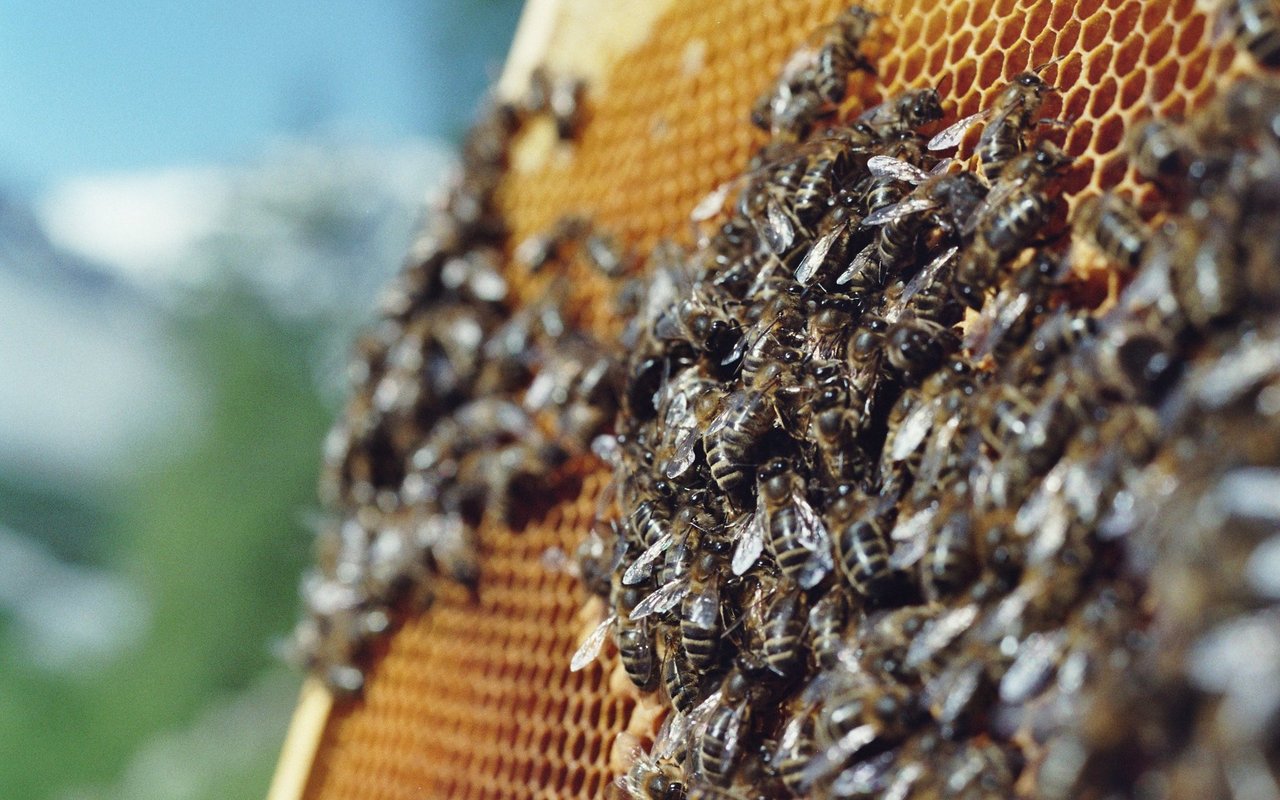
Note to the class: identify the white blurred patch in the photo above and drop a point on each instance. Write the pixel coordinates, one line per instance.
(140, 224)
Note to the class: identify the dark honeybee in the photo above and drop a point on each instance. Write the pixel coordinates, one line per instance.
(861, 544)
(854, 716)
(1114, 226)
(721, 744)
(700, 625)
(683, 684)
(906, 112)
(783, 628)
(912, 347)
(1138, 361)
(839, 53)
(1056, 336)
(827, 621)
(834, 422)
(1162, 151)
(823, 170)
(1008, 122)
(731, 439)
(950, 561)
(638, 652)
(650, 779)
(796, 748)
(536, 252)
(1255, 24)
(605, 255)
(565, 104)
(1204, 274)
(1011, 217)
(796, 536)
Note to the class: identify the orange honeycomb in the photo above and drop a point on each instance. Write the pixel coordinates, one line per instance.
(474, 698)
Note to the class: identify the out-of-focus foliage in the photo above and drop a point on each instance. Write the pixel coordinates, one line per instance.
(150, 549)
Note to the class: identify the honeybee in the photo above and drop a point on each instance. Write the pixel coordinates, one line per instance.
(638, 652)
(855, 715)
(906, 112)
(830, 319)
(950, 560)
(1162, 151)
(565, 104)
(605, 255)
(836, 411)
(861, 545)
(827, 620)
(1255, 25)
(836, 233)
(690, 403)
(1009, 120)
(731, 438)
(912, 347)
(1137, 360)
(1115, 228)
(795, 534)
(796, 748)
(1204, 274)
(1008, 219)
(700, 627)
(652, 779)
(721, 743)
(1005, 324)
(682, 683)
(1056, 336)
(839, 53)
(815, 78)
(783, 628)
(692, 523)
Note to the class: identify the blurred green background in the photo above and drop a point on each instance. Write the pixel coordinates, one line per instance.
(195, 215)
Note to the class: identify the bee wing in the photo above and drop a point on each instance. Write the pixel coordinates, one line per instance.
(942, 632)
(685, 450)
(643, 565)
(731, 406)
(896, 168)
(750, 541)
(912, 537)
(897, 211)
(779, 231)
(704, 606)
(812, 535)
(1000, 192)
(908, 436)
(662, 600)
(865, 259)
(952, 135)
(670, 736)
(711, 205)
(590, 647)
(931, 270)
(817, 254)
(825, 764)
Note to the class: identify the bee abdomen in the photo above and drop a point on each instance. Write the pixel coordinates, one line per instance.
(639, 659)
(864, 558)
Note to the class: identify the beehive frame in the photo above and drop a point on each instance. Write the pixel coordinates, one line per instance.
(474, 698)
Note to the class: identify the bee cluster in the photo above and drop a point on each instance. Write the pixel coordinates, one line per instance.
(463, 408)
(864, 550)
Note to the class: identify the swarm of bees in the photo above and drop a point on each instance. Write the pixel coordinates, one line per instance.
(894, 513)
(464, 409)
(890, 508)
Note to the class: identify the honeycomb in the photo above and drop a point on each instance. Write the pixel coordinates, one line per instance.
(475, 697)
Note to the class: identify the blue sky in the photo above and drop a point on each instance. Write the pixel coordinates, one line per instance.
(136, 84)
